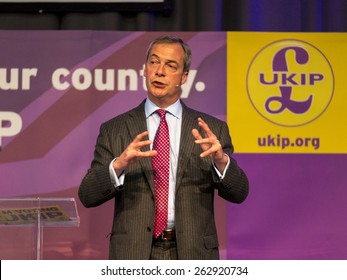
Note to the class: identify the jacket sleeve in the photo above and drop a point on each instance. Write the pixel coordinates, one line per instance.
(234, 186)
(96, 186)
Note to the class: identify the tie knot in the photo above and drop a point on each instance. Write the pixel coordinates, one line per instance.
(161, 113)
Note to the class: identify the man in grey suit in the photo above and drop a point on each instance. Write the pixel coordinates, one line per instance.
(200, 163)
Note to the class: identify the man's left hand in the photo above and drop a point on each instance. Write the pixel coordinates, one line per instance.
(210, 145)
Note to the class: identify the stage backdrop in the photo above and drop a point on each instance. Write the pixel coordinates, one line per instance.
(56, 88)
(285, 97)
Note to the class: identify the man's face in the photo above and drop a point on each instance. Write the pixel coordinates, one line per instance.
(164, 74)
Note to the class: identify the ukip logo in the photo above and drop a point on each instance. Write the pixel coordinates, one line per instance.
(290, 83)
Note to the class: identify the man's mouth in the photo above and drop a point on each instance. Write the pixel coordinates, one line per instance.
(158, 84)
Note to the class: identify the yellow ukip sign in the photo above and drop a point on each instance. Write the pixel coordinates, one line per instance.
(287, 92)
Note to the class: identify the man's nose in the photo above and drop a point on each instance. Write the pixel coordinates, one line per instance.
(160, 70)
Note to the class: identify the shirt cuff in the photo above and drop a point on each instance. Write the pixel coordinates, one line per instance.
(117, 182)
(220, 175)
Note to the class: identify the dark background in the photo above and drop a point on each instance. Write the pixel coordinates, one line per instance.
(184, 15)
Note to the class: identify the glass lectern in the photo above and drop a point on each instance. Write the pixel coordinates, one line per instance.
(22, 221)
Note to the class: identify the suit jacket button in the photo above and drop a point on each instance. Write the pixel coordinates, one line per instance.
(149, 229)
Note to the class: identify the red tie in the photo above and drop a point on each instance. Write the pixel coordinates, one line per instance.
(161, 167)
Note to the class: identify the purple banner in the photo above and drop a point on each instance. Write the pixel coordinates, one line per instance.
(56, 88)
(296, 209)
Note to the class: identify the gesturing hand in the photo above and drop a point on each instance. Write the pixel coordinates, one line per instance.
(210, 145)
(133, 153)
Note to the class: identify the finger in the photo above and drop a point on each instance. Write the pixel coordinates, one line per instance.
(214, 151)
(142, 144)
(196, 134)
(146, 154)
(207, 153)
(205, 128)
(210, 141)
(140, 136)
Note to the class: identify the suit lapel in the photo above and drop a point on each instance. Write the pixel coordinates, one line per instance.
(136, 124)
(189, 121)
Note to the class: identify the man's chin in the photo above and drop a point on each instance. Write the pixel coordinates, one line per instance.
(159, 93)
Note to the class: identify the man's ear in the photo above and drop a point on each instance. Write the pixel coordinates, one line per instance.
(184, 78)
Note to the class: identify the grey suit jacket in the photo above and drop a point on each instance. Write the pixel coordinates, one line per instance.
(197, 181)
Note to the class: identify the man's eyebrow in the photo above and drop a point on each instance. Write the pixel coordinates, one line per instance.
(172, 61)
(153, 54)
(167, 61)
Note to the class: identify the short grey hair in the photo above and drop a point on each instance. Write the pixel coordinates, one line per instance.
(187, 57)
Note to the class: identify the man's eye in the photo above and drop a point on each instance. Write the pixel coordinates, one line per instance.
(172, 66)
(153, 62)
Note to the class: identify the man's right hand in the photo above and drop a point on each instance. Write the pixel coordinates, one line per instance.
(133, 153)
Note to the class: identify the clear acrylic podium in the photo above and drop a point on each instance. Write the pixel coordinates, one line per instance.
(22, 221)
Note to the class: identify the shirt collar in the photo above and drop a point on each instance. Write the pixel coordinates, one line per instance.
(174, 109)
